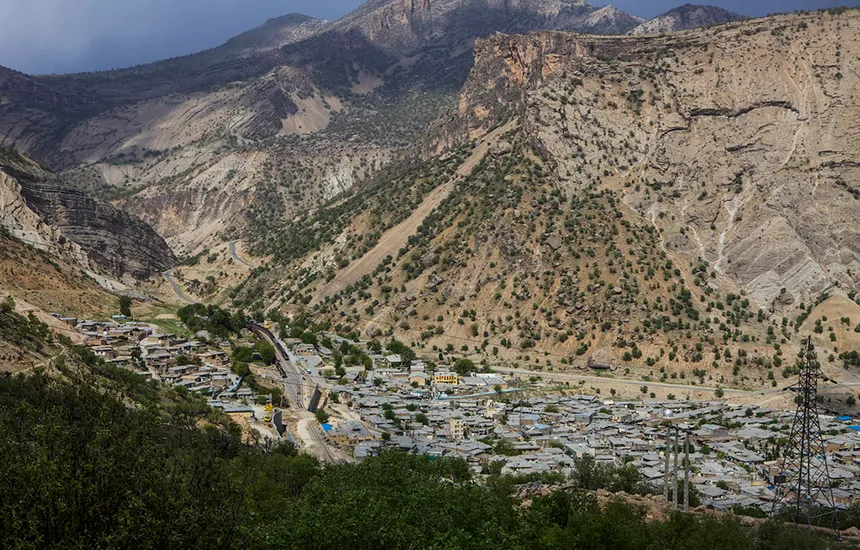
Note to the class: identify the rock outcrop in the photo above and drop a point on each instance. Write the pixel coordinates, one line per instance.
(738, 143)
(41, 209)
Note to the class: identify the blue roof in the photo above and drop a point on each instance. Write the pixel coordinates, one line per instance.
(843, 418)
(326, 427)
(855, 428)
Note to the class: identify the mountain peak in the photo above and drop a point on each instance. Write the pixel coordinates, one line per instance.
(686, 17)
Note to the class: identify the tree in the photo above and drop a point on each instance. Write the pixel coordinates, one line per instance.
(125, 305)
(401, 349)
(240, 368)
(422, 418)
(464, 367)
(266, 351)
(243, 354)
(719, 393)
(322, 416)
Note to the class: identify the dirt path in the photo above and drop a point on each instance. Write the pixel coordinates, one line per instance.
(395, 238)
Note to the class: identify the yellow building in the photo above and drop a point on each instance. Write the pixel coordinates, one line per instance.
(445, 378)
(418, 378)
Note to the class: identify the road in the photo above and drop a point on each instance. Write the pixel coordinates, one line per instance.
(168, 276)
(291, 376)
(236, 257)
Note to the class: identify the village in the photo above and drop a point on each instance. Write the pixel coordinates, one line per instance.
(500, 425)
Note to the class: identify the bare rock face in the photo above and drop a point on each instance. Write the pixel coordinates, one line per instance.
(738, 144)
(43, 210)
(404, 25)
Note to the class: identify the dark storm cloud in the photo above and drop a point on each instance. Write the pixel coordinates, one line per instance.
(43, 36)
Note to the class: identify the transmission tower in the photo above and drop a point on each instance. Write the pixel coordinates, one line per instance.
(804, 488)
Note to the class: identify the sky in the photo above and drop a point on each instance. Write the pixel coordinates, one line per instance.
(61, 36)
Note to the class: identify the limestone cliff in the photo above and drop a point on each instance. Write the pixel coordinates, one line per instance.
(738, 143)
(41, 209)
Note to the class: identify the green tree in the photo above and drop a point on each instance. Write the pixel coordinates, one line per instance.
(266, 351)
(464, 367)
(125, 305)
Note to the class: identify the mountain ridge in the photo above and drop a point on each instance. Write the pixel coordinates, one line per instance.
(687, 17)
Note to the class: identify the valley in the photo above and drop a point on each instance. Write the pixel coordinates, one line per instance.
(475, 250)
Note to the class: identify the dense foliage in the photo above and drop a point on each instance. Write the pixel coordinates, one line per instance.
(213, 319)
(27, 333)
(98, 457)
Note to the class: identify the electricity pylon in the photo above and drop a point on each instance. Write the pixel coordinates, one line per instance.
(804, 489)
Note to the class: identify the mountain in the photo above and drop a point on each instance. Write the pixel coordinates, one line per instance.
(275, 121)
(403, 26)
(606, 196)
(686, 17)
(44, 210)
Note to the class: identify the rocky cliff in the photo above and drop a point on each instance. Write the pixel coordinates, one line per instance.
(42, 209)
(738, 143)
(198, 140)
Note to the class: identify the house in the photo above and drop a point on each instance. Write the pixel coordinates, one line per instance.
(714, 430)
(445, 377)
(121, 361)
(418, 378)
(105, 352)
(393, 360)
(215, 358)
(350, 432)
(496, 382)
(456, 429)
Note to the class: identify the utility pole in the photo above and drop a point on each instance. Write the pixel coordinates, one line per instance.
(668, 454)
(687, 472)
(804, 488)
(675, 472)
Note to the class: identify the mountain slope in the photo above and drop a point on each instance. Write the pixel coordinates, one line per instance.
(44, 210)
(687, 17)
(659, 193)
(278, 119)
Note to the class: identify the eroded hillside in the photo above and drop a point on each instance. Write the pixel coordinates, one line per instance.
(45, 211)
(277, 120)
(676, 204)
(738, 143)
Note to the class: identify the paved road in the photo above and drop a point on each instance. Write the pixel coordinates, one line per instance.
(236, 257)
(168, 276)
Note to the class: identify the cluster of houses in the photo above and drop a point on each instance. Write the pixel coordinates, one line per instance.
(198, 366)
(394, 372)
(403, 404)
(733, 461)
